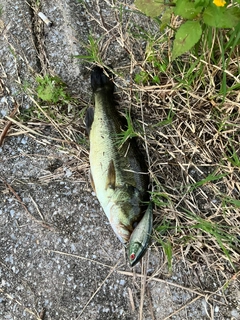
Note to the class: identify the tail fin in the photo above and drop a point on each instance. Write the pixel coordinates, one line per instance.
(99, 80)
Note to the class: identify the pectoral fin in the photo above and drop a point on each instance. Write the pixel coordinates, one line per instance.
(89, 119)
(111, 176)
(91, 181)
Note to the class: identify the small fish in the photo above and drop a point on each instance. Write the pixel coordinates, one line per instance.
(140, 237)
(118, 174)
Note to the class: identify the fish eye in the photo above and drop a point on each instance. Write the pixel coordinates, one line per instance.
(132, 256)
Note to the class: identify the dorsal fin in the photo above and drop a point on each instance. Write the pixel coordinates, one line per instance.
(89, 119)
(111, 176)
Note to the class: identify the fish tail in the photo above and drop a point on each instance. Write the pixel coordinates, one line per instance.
(99, 80)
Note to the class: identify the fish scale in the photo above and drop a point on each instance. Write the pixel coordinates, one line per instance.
(118, 175)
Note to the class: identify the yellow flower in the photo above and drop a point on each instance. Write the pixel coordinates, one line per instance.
(219, 3)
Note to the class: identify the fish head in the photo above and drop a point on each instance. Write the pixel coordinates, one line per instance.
(135, 252)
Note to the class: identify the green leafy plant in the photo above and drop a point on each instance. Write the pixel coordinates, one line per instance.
(141, 77)
(92, 48)
(128, 133)
(51, 89)
(195, 16)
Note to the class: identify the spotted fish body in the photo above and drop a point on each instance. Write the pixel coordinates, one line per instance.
(118, 173)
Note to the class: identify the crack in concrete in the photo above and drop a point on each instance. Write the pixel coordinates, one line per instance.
(38, 35)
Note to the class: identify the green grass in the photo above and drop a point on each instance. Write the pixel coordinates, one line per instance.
(160, 199)
(54, 106)
(168, 251)
(92, 49)
(219, 232)
(195, 132)
(233, 156)
(166, 121)
(227, 201)
(128, 131)
(209, 178)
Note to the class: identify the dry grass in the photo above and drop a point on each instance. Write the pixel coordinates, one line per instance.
(189, 130)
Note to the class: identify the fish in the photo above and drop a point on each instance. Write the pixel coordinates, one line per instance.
(118, 172)
(140, 237)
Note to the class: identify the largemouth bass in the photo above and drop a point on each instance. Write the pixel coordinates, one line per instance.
(118, 173)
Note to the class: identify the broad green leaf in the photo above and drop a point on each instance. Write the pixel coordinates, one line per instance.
(201, 3)
(219, 17)
(187, 36)
(187, 9)
(151, 8)
(166, 17)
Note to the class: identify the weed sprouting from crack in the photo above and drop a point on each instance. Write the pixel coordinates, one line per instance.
(51, 89)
